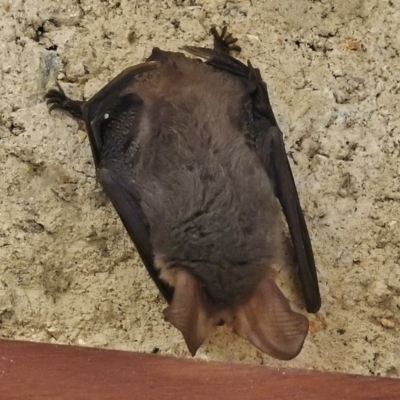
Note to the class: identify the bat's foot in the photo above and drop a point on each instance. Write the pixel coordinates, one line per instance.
(56, 99)
(224, 42)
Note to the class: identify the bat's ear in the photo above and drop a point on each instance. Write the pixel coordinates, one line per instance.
(267, 321)
(188, 311)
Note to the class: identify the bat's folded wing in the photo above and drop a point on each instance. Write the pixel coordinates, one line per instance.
(125, 200)
(285, 189)
(271, 149)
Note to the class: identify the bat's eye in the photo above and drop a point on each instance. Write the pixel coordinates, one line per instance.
(106, 116)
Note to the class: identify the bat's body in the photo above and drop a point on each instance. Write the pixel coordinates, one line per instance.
(191, 157)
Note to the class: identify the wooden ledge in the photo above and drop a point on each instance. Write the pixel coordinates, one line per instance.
(44, 371)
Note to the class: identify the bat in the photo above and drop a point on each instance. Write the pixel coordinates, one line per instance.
(190, 154)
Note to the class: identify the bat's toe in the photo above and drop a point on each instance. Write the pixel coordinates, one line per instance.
(224, 41)
(56, 99)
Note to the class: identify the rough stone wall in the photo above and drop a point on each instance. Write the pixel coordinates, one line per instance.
(69, 273)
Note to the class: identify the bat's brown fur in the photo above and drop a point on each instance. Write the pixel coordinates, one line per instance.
(185, 151)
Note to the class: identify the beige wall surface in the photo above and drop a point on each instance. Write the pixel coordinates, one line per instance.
(68, 271)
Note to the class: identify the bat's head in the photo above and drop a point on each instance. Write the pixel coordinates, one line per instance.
(264, 318)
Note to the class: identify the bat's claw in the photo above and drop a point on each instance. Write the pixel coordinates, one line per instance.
(224, 42)
(56, 99)
(53, 106)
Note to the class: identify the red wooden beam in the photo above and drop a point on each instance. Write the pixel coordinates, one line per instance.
(42, 371)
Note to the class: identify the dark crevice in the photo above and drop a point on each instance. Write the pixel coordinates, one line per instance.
(175, 23)
(311, 46)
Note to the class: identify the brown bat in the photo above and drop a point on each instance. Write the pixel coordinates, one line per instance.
(191, 157)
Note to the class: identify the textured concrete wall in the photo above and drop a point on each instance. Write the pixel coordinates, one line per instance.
(69, 273)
